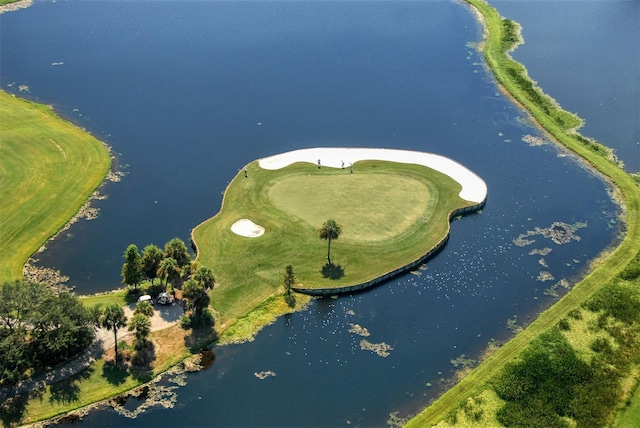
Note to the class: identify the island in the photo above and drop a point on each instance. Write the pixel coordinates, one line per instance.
(394, 208)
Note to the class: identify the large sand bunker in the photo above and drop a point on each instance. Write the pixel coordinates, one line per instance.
(247, 228)
(474, 189)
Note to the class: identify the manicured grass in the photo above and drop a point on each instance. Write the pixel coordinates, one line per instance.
(48, 169)
(477, 380)
(391, 214)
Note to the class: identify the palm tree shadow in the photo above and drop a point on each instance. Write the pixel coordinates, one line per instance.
(331, 271)
(115, 375)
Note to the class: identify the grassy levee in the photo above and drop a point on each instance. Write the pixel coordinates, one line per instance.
(495, 52)
(48, 169)
(391, 214)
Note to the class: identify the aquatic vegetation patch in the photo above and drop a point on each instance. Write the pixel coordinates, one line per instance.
(545, 276)
(534, 141)
(265, 374)
(359, 330)
(381, 349)
(559, 232)
(148, 396)
(543, 252)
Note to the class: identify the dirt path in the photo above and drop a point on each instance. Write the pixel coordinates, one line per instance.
(163, 317)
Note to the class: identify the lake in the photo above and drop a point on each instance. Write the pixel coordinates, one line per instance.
(586, 54)
(188, 92)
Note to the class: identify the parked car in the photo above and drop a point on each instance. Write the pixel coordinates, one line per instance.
(165, 299)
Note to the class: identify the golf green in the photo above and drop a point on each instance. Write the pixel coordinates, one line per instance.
(391, 214)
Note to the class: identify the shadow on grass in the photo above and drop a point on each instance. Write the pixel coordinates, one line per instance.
(331, 271)
(141, 368)
(68, 391)
(200, 338)
(115, 374)
(12, 410)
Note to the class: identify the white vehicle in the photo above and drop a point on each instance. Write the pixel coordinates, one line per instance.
(165, 299)
(145, 298)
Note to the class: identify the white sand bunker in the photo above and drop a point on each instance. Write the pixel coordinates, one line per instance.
(247, 228)
(474, 189)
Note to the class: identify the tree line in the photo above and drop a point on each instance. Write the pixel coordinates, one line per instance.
(172, 266)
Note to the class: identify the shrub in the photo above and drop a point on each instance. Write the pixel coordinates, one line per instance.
(185, 322)
(564, 325)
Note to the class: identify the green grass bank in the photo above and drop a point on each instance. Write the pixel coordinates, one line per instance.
(48, 169)
(500, 37)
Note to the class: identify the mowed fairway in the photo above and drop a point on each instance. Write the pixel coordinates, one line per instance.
(391, 214)
(48, 169)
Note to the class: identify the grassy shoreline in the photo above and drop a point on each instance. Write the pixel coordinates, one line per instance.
(512, 78)
(49, 169)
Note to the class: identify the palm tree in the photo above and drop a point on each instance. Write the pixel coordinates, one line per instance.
(169, 270)
(330, 230)
(177, 250)
(141, 327)
(204, 276)
(114, 318)
(144, 308)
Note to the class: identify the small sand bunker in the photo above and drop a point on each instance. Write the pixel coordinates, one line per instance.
(247, 228)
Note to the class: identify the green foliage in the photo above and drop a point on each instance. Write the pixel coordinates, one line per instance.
(151, 258)
(113, 318)
(169, 270)
(542, 384)
(39, 327)
(632, 271)
(617, 300)
(132, 267)
(329, 231)
(141, 326)
(185, 322)
(144, 308)
(197, 296)
(177, 250)
(204, 276)
(289, 281)
(563, 325)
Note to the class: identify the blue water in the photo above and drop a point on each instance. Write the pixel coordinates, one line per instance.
(586, 54)
(178, 89)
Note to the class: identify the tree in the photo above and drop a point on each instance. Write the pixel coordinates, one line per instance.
(289, 281)
(197, 296)
(61, 327)
(151, 258)
(177, 250)
(330, 230)
(39, 327)
(169, 270)
(132, 267)
(141, 327)
(204, 276)
(144, 308)
(113, 318)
